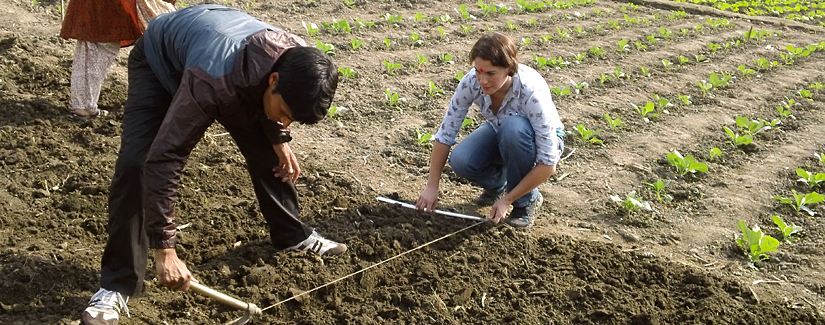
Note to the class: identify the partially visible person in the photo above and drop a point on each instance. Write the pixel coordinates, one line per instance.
(101, 28)
(516, 150)
(193, 67)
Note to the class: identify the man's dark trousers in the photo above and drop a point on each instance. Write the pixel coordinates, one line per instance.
(125, 257)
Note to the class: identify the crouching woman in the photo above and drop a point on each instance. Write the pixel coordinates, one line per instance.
(518, 146)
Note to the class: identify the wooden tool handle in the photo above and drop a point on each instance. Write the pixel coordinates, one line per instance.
(227, 300)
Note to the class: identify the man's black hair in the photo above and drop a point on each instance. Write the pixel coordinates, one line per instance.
(307, 82)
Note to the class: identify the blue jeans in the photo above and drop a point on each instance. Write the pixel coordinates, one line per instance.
(498, 161)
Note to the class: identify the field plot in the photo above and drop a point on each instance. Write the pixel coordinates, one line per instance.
(684, 125)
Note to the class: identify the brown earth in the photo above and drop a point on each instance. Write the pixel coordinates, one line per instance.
(584, 261)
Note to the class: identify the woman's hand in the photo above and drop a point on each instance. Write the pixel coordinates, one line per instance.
(500, 209)
(428, 199)
(171, 271)
(288, 168)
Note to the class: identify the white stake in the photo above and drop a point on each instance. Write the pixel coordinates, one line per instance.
(446, 213)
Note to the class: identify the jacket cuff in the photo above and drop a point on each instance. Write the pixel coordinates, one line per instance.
(163, 243)
(275, 131)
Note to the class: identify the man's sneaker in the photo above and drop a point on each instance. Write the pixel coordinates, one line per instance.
(320, 245)
(104, 308)
(525, 216)
(489, 197)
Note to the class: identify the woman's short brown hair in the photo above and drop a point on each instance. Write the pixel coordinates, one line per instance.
(498, 49)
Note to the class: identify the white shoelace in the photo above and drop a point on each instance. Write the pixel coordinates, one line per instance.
(110, 299)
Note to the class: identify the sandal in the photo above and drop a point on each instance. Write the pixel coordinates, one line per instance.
(89, 113)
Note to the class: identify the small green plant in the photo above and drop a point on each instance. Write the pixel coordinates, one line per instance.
(784, 108)
(666, 33)
(349, 3)
(311, 28)
(667, 64)
(596, 51)
(604, 78)
(685, 99)
(662, 103)
(651, 39)
(646, 110)
(445, 58)
(631, 203)
(588, 136)
(423, 139)
(466, 29)
(458, 76)
(421, 60)
(685, 165)
(751, 127)
(347, 73)
(786, 230)
(811, 179)
(561, 91)
(415, 40)
(393, 99)
(755, 244)
(705, 87)
(700, 58)
(419, 17)
(328, 49)
(659, 186)
(737, 140)
(392, 19)
(820, 157)
(511, 26)
(715, 154)
(804, 93)
(617, 72)
(800, 201)
(388, 43)
(467, 122)
(645, 71)
(639, 46)
(433, 90)
(683, 60)
(391, 67)
(623, 47)
(746, 72)
(441, 32)
(612, 122)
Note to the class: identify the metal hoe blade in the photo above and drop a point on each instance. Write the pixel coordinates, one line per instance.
(250, 309)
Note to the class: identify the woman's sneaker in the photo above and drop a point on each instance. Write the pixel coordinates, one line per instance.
(525, 217)
(320, 245)
(104, 308)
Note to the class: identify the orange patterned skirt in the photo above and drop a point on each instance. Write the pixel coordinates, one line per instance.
(102, 21)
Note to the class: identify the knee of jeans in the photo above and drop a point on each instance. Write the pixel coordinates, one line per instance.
(461, 166)
(515, 129)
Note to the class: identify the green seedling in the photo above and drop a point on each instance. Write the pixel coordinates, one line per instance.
(467, 122)
(355, 43)
(713, 47)
(393, 99)
(596, 51)
(589, 136)
(562, 33)
(333, 111)
(612, 122)
(639, 46)
(441, 32)
(646, 111)
(820, 157)
(415, 40)
(737, 140)
(631, 203)
(580, 57)
(755, 244)
(561, 91)
(705, 87)
(604, 78)
(786, 230)
(311, 28)
(423, 139)
(340, 26)
(659, 186)
(685, 99)
(349, 3)
(666, 33)
(624, 47)
(462, 11)
(700, 58)
(645, 71)
(347, 73)
(718, 81)
(392, 19)
(511, 26)
(751, 127)
(800, 202)
(388, 43)
(390, 67)
(617, 72)
(651, 39)
(685, 165)
(445, 58)
(804, 93)
(364, 24)
(663, 103)
(466, 29)
(526, 41)
(683, 60)
(458, 76)
(715, 154)
(811, 179)
(667, 64)
(328, 49)
(422, 60)
(433, 90)
(746, 72)
(784, 108)
(419, 17)
(685, 31)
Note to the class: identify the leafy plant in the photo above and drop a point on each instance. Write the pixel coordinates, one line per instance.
(683, 60)
(355, 43)
(560, 91)
(613, 122)
(441, 32)
(415, 40)
(785, 229)
(811, 179)
(666, 33)
(715, 154)
(631, 203)
(685, 99)
(737, 140)
(391, 67)
(596, 51)
(388, 43)
(392, 19)
(311, 28)
(623, 46)
(659, 186)
(700, 58)
(751, 127)
(685, 165)
(645, 71)
(663, 103)
(799, 201)
(667, 64)
(347, 73)
(458, 76)
(432, 89)
(328, 49)
(423, 139)
(511, 26)
(445, 58)
(639, 46)
(588, 136)
(393, 99)
(422, 60)
(467, 122)
(755, 244)
(784, 108)
(646, 111)
(820, 157)
(746, 72)
(705, 86)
